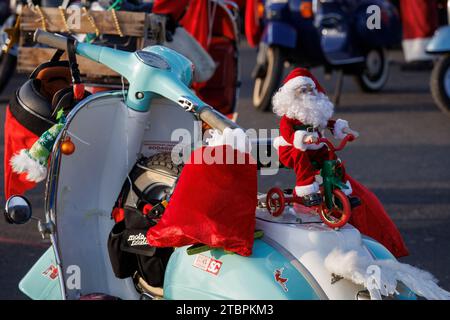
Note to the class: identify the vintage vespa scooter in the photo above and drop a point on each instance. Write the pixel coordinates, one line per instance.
(111, 130)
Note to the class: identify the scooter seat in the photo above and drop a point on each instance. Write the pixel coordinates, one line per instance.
(29, 95)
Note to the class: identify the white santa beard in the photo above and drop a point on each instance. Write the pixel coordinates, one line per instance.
(315, 110)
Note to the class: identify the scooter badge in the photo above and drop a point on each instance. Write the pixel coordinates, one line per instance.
(278, 273)
(207, 264)
(51, 272)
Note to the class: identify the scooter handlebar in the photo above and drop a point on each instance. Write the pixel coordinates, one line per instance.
(50, 39)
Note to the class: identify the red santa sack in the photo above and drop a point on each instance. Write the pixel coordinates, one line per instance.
(213, 204)
(372, 220)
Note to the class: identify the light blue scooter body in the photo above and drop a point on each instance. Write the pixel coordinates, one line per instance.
(169, 75)
(241, 278)
(238, 277)
(42, 282)
(440, 43)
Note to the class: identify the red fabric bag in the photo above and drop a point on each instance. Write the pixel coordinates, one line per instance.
(371, 219)
(213, 204)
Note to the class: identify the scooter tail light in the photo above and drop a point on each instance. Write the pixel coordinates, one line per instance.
(78, 91)
(260, 9)
(306, 10)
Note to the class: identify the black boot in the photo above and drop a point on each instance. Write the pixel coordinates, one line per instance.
(354, 201)
(313, 199)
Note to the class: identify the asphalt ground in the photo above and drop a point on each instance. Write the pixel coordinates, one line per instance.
(403, 155)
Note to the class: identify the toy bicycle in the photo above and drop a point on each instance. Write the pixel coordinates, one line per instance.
(335, 208)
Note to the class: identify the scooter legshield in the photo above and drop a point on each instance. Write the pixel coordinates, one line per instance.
(83, 186)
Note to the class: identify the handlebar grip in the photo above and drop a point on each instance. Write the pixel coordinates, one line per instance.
(50, 39)
(216, 120)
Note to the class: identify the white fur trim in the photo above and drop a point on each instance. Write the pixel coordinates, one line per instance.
(236, 138)
(299, 144)
(339, 126)
(348, 191)
(22, 162)
(299, 135)
(297, 82)
(381, 277)
(280, 142)
(308, 189)
(415, 49)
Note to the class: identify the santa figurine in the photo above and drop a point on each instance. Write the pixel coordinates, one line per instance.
(306, 114)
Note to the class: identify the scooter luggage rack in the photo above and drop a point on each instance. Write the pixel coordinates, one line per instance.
(133, 30)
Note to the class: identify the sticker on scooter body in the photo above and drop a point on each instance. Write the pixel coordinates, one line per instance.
(51, 272)
(207, 264)
(278, 275)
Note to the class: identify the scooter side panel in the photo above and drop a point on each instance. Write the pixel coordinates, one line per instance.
(440, 43)
(266, 274)
(367, 16)
(281, 34)
(42, 281)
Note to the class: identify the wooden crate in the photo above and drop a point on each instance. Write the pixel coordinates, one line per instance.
(132, 24)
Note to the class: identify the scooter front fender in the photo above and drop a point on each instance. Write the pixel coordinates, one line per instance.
(280, 34)
(440, 43)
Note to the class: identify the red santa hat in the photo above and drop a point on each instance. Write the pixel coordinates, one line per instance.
(303, 76)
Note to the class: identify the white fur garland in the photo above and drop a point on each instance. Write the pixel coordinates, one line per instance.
(22, 162)
(355, 268)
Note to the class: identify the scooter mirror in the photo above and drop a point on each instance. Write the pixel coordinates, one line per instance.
(17, 210)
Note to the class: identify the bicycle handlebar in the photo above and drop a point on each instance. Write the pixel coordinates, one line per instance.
(347, 138)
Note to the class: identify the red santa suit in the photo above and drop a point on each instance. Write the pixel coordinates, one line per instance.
(292, 151)
(369, 218)
(420, 21)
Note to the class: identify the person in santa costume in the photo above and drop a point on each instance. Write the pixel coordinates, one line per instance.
(306, 114)
(420, 21)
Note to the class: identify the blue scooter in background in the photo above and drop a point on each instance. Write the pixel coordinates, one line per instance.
(440, 77)
(345, 35)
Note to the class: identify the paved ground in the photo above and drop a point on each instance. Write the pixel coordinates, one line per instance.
(403, 155)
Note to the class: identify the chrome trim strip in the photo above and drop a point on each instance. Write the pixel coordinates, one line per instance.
(299, 266)
(51, 186)
(448, 11)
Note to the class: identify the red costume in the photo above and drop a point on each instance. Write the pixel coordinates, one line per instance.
(369, 218)
(420, 21)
